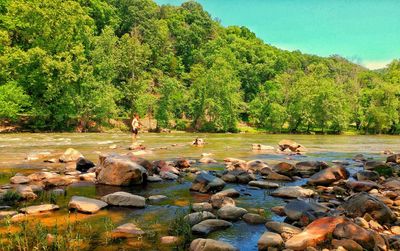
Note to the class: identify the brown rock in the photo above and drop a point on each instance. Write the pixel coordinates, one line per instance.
(349, 230)
(210, 245)
(314, 233)
(349, 245)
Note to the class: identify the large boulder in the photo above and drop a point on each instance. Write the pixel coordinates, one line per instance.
(205, 182)
(268, 240)
(292, 192)
(329, 175)
(362, 203)
(86, 205)
(210, 245)
(207, 226)
(308, 168)
(119, 170)
(315, 233)
(291, 145)
(124, 199)
(70, 155)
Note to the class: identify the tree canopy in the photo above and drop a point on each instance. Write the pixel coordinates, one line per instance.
(65, 63)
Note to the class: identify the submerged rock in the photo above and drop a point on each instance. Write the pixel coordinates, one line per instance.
(218, 201)
(269, 239)
(124, 199)
(128, 230)
(119, 170)
(207, 160)
(202, 206)
(205, 182)
(292, 192)
(362, 186)
(210, 245)
(156, 198)
(261, 147)
(207, 226)
(86, 205)
(39, 208)
(291, 145)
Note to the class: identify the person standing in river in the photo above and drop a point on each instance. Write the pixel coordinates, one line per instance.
(135, 126)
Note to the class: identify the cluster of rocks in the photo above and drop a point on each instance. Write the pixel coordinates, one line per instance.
(333, 211)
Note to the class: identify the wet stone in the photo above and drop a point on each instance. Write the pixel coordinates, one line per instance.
(202, 206)
(207, 226)
(86, 205)
(255, 219)
(156, 198)
(128, 230)
(39, 208)
(124, 199)
(198, 217)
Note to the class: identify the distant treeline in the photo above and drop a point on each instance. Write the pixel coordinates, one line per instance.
(66, 63)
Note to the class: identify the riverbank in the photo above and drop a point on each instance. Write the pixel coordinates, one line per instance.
(20, 154)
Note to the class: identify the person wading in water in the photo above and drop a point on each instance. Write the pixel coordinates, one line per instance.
(135, 126)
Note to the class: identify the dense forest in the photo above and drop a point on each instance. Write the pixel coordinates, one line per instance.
(65, 63)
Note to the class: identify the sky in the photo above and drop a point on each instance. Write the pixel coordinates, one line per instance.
(366, 32)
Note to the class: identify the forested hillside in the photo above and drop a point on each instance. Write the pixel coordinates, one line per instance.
(65, 63)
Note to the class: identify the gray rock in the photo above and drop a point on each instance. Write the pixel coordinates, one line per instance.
(202, 206)
(263, 184)
(124, 199)
(207, 226)
(86, 205)
(292, 192)
(205, 182)
(231, 212)
(195, 218)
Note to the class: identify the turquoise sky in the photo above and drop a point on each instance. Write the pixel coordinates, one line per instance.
(364, 31)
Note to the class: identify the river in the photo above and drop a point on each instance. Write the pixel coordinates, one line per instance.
(156, 218)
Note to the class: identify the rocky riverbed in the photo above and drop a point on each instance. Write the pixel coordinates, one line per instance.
(295, 201)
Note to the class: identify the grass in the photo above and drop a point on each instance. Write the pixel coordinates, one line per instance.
(11, 197)
(181, 228)
(33, 235)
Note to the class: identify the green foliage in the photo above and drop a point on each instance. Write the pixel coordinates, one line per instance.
(80, 63)
(13, 100)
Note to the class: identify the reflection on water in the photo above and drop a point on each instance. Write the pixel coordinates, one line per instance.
(156, 217)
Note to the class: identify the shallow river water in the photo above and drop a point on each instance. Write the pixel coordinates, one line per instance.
(156, 218)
